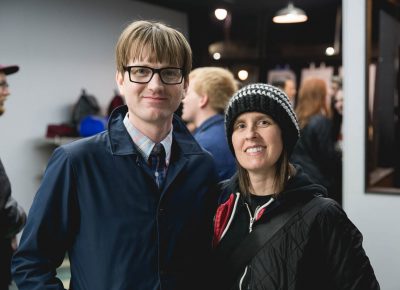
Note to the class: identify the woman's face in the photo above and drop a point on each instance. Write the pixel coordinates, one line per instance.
(257, 142)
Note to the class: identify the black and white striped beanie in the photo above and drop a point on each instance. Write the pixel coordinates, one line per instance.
(265, 99)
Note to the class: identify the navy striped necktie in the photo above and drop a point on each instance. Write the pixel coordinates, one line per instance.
(157, 164)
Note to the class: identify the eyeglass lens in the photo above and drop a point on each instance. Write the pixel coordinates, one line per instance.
(142, 74)
(4, 84)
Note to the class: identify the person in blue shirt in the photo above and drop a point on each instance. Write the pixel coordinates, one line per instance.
(133, 205)
(209, 91)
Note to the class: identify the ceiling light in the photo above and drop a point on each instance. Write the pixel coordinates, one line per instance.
(243, 74)
(329, 51)
(216, 56)
(290, 14)
(220, 13)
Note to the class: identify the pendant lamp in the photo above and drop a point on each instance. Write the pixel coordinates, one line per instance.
(290, 14)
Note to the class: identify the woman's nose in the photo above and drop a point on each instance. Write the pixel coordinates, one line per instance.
(251, 132)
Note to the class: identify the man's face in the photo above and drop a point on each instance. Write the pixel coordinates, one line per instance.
(151, 103)
(290, 89)
(4, 92)
(191, 103)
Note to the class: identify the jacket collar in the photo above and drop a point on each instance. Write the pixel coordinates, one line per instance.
(121, 143)
(218, 118)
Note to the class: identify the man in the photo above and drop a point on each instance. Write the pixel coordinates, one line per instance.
(289, 87)
(12, 216)
(209, 91)
(131, 204)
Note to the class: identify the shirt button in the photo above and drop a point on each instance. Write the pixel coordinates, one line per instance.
(161, 211)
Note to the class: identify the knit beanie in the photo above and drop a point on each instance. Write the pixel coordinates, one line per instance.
(268, 100)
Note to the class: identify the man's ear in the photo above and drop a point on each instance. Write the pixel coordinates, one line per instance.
(203, 101)
(119, 78)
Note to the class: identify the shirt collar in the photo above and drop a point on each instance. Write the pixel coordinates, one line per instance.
(145, 144)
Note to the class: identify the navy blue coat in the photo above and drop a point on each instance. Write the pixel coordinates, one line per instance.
(98, 203)
(211, 136)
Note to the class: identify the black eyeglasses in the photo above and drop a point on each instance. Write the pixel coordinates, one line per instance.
(144, 74)
(3, 84)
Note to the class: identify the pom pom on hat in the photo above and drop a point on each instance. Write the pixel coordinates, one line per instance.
(268, 100)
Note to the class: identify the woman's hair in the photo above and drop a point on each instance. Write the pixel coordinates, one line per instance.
(155, 41)
(283, 171)
(311, 100)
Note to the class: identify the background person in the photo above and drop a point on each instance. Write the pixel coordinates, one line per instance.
(129, 205)
(287, 85)
(317, 247)
(12, 216)
(315, 152)
(209, 91)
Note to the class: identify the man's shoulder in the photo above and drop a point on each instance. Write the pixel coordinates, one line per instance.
(86, 145)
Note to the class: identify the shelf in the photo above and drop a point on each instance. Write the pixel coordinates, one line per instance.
(58, 141)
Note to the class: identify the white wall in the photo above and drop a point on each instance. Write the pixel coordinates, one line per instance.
(61, 47)
(376, 215)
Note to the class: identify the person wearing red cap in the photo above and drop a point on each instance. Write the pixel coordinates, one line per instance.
(12, 216)
(4, 92)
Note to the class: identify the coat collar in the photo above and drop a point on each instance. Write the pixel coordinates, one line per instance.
(218, 118)
(121, 143)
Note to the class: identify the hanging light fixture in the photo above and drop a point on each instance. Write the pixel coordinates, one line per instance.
(290, 14)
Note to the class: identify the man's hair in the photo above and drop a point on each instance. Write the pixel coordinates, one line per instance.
(217, 83)
(279, 83)
(155, 41)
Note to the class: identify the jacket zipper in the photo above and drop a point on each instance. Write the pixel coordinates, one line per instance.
(252, 221)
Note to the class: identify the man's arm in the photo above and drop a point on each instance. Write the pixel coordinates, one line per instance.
(12, 216)
(49, 229)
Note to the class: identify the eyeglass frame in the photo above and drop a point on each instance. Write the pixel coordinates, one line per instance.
(4, 84)
(153, 72)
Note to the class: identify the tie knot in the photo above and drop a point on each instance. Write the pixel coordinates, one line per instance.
(158, 150)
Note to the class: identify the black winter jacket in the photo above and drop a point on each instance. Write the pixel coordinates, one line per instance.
(315, 153)
(12, 219)
(317, 249)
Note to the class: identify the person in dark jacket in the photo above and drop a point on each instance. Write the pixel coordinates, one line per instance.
(132, 206)
(12, 216)
(315, 152)
(203, 106)
(316, 246)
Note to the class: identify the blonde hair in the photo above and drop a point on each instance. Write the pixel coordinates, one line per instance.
(217, 83)
(311, 100)
(155, 41)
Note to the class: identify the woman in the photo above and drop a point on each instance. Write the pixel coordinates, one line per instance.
(316, 246)
(315, 152)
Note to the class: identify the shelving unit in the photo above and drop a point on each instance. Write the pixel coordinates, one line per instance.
(58, 141)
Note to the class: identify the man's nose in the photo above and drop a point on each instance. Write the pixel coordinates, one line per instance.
(155, 80)
(5, 91)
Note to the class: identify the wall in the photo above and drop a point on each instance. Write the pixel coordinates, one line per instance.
(376, 215)
(61, 47)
